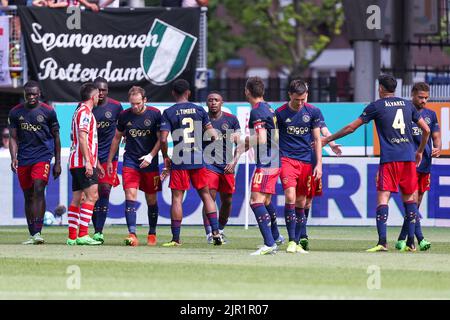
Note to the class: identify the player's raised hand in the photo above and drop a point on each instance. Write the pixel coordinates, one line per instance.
(337, 149)
(418, 158)
(14, 165)
(317, 173)
(436, 153)
(56, 170)
(146, 160)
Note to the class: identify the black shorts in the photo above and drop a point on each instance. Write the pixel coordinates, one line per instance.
(80, 181)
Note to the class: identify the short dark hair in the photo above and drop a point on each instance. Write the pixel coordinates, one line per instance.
(31, 84)
(420, 86)
(388, 82)
(215, 92)
(180, 86)
(86, 90)
(255, 85)
(100, 80)
(299, 87)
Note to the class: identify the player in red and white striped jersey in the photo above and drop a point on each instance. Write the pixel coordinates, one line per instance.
(83, 121)
(84, 167)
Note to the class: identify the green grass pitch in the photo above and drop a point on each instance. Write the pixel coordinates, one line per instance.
(336, 268)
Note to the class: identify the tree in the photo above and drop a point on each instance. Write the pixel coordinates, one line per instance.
(222, 44)
(289, 33)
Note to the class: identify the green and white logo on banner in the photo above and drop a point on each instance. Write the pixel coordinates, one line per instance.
(167, 53)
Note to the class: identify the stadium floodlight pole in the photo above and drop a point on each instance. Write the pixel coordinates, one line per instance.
(367, 66)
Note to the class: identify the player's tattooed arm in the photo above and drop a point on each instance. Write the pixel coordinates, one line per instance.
(13, 147)
(113, 150)
(57, 142)
(348, 129)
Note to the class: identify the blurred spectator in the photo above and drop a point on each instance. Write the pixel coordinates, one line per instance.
(171, 3)
(66, 3)
(40, 3)
(194, 3)
(4, 147)
(109, 3)
(6, 3)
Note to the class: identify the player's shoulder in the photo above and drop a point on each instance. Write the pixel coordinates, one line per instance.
(46, 106)
(82, 108)
(429, 116)
(229, 115)
(198, 107)
(430, 112)
(114, 102)
(377, 104)
(312, 108)
(125, 112)
(282, 108)
(265, 106)
(153, 109)
(16, 108)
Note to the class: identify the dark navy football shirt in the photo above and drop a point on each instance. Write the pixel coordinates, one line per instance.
(226, 125)
(186, 122)
(34, 132)
(141, 136)
(296, 131)
(431, 119)
(106, 116)
(393, 119)
(262, 116)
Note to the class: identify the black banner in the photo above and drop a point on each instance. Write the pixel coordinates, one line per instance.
(148, 47)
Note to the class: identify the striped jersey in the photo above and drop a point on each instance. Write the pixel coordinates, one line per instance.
(83, 120)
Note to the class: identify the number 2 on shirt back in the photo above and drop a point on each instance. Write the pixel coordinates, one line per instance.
(187, 131)
(399, 122)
